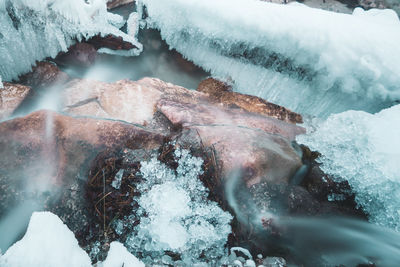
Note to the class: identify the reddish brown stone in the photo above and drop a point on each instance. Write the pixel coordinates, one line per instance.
(221, 93)
(48, 145)
(11, 96)
(44, 74)
(116, 3)
(111, 42)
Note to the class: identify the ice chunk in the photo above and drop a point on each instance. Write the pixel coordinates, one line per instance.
(176, 215)
(116, 183)
(47, 243)
(310, 60)
(32, 30)
(133, 24)
(118, 256)
(364, 149)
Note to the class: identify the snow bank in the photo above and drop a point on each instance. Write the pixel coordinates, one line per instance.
(176, 216)
(364, 149)
(32, 30)
(47, 243)
(310, 60)
(119, 256)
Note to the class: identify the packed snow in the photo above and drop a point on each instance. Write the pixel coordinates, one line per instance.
(309, 60)
(364, 149)
(47, 243)
(176, 216)
(32, 30)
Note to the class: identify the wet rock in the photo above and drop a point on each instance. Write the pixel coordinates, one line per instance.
(244, 140)
(221, 92)
(11, 96)
(48, 145)
(80, 54)
(111, 42)
(116, 3)
(44, 74)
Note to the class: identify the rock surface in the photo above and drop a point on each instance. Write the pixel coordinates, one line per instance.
(221, 92)
(11, 96)
(48, 145)
(44, 74)
(116, 3)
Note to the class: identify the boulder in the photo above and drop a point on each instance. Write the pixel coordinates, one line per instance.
(44, 74)
(48, 145)
(11, 96)
(221, 92)
(116, 3)
(247, 140)
(80, 54)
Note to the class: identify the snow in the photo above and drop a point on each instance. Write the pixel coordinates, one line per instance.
(309, 60)
(32, 30)
(364, 149)
(47, 243)
(119, 256)
(176, 216)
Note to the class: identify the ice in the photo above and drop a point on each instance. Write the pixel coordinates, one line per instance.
(176, 216)
(119, 256)
(47, 243)
(309, 60)
(1, 84)
(364, 149)
(32, 30)
(116, 183)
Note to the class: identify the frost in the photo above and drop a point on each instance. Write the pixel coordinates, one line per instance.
(309, 60)
(176, 216)
(364, 149)
(116, 183)
(32, 30)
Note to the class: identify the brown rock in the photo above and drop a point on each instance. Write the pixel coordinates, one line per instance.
(220, 92)
(47, 145)
(111, 42)
(116, 3)
(44, 74)
(80, 54)
(243, 140)
(11, 97)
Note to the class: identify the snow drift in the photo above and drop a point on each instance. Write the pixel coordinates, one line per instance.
(32, 30)
(306, 59)
(364, 149)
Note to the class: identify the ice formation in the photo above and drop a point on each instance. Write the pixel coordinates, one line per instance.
(116, 183)
(176, 216)
(364, 149)
(47, 243)
(310, 60)
(118, 256)
(32, 30)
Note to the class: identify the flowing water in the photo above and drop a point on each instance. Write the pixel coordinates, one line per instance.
(307, 241)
